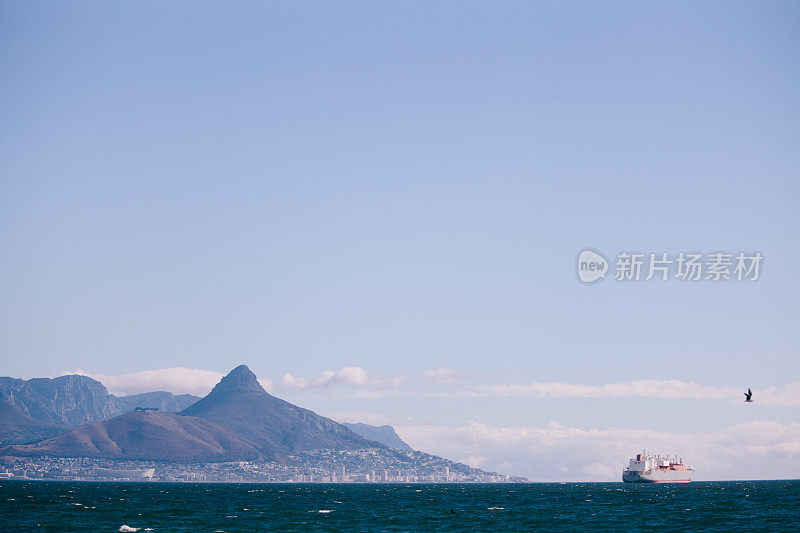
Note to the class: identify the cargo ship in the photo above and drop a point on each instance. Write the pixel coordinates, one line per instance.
(646, 468)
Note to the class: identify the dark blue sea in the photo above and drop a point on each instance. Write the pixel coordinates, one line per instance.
(161, 507)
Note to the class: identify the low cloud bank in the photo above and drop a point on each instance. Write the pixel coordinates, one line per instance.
(351, 375)
(177, 380)
(671, 389)
(652, 388)
(356, 382)
(450, 383)
(554, 452)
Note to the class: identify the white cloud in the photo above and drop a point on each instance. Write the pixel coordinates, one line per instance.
(392, 382)
(376, 386)
(788, 395)
(428, 384)
(668, 389)
(199, 381)
(445, 376)
(665, 389)
(374, 393)
(751, 450)
(351, 375)
(178, 380)
(600, 471)
(374, 419)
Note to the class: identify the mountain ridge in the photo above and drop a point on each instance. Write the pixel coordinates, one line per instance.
(384, 434)
(37, 408)
(237, 410)
(146, 435)
(276, 427)
(237, 421)
(65, 401)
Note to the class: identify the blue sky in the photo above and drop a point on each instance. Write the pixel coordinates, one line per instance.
(403, 187)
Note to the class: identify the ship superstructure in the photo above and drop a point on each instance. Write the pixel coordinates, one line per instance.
(646, 468)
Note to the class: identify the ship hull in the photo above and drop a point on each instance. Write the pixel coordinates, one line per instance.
(658, 476)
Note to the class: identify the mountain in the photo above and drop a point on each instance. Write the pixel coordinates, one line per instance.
(237, 420)
(33, 409)
(146, 435)
(383, 434)
(66, 401)
(275, 427)
(161, 400)
(18, 428)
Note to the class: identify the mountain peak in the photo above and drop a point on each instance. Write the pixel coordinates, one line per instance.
(240, 379)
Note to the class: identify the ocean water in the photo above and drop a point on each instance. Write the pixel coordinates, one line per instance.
(706, 506)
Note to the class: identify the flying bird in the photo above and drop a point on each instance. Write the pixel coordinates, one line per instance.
(748, 396)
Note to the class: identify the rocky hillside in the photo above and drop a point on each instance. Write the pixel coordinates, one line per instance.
(66, 401)
(17, 427)
(275, 427)
(33, 409)
(238, 420)
(383, 434)
(161, 400)
(147, 435)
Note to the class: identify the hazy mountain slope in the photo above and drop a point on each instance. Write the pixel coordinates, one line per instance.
(161, 400)
(150, 435)
(70, 401)
(383, 434)
(18, 428)
(276, 427)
